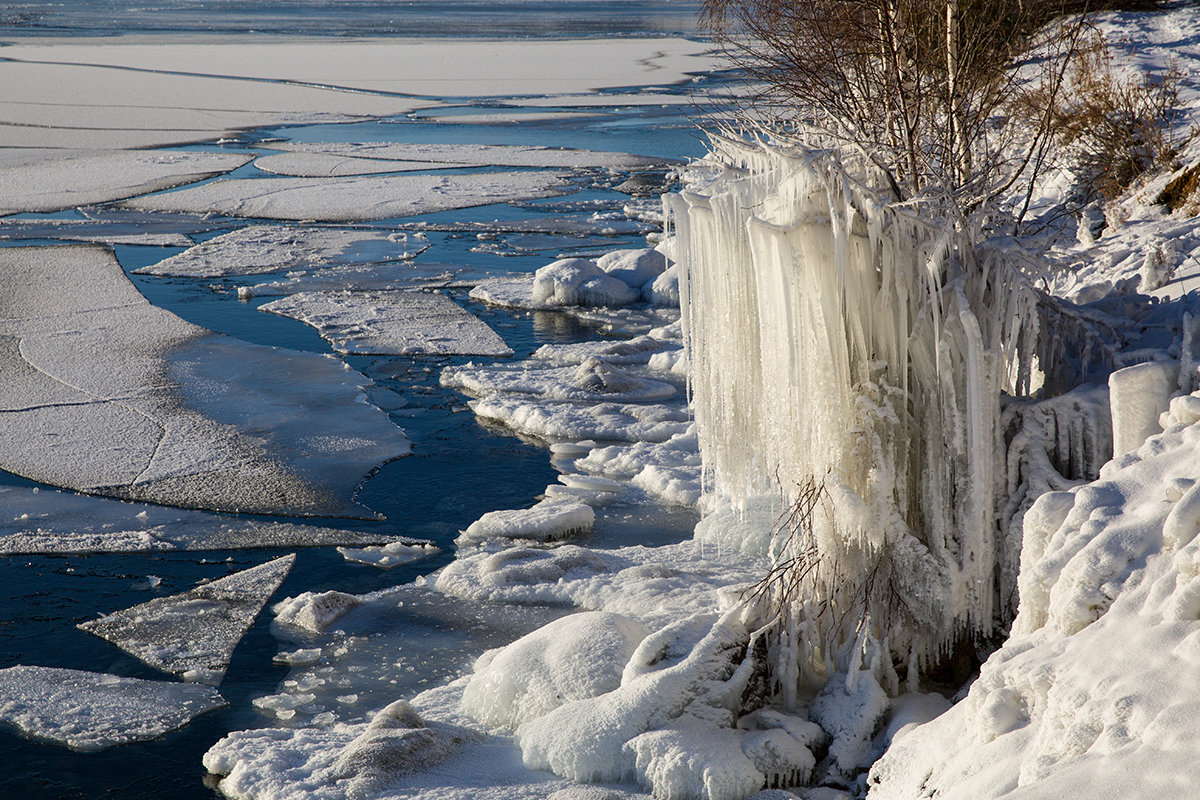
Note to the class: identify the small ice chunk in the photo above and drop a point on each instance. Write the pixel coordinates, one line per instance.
(91, 711)
(299, 658)
(196, 632)
(392, 323)
(549, 519)
(314, 611)
(506, 292)
(577, 656)
(390, 555)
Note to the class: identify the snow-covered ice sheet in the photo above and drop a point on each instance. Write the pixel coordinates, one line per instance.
(354, 199)
(393, 276)
(591, 380)
(456, 155)
(256, 249)
(91, 711)
(82, 179)
(194, 634)
(548, 520)
(311, 164)
(34, 520)
(392, 323)
(107, 394)
(389, 555)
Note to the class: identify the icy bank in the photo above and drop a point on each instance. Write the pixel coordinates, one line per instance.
(110, 395)
(1094, 694)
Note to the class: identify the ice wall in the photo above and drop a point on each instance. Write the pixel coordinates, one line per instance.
(850, 356)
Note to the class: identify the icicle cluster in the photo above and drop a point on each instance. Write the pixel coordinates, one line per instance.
(848, 348)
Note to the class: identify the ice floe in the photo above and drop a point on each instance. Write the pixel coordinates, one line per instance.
(307, 164)
(107, 394)
(392, 276)
(392, 323)
(353, 199)
(194, 634)
(389, 555)
(591, 380)
(256, 249)
(89, 178)
(573, 422)
(34, 520)
(91, 711)
(457, 155)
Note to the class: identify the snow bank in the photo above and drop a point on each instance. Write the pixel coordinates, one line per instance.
(579, 656)
(92, 711)
(1094, 693)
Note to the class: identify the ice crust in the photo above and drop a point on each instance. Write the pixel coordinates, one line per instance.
(82, 179)
(91, 711)
(256, 249)
(194, 634)
(110, 395)
(353, 199)
(392, 323)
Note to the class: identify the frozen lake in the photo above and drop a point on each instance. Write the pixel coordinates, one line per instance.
(497, 183)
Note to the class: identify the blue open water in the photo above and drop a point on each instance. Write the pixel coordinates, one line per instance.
(460, 468)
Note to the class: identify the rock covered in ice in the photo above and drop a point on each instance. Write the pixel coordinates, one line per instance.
(634, 268)
(314, 611)
(664, 289)
(570, 422)
(390, 555)
(256, 249)
(579, 282)
(92, 711)
(353, 199)
(549, 519)
(577, 656)
(392, 323)
(81, 179)
(110, 395)
(591, 380)
(194, 634)
(694, 761)
(1137, 396)
(1094, 693)
(851, 709)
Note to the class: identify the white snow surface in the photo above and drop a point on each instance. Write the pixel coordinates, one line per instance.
(392, 323)
(81, 179)
(578, 656)
(91, 711)
(256, 249)
(353, 199)
(194, 634)
(110, 395)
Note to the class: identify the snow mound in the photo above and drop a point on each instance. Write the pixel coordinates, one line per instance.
(578, 656)
(634, 268)
(194, 634)
(1094, 694)
(579, 282)
(549, 519)
(91, 711)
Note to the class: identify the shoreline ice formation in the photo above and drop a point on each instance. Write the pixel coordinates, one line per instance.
(110, 395)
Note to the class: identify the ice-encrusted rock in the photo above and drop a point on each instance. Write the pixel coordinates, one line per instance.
(92, 711)
(549, 519)
(194, 634)
(634, 268)
(579, 282)
(314, 611)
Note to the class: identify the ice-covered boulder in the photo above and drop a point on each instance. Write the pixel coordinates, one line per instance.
(635, 268)
(314, 611)
(549, 519)
(579, 282)
(578, 656)
(663, 290)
